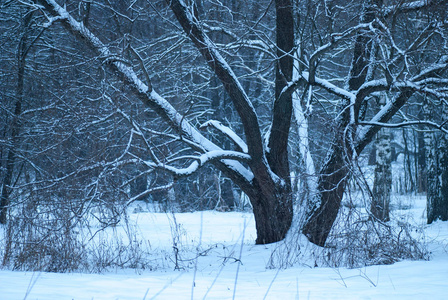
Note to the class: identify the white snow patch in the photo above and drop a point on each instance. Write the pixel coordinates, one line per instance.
(221, 234)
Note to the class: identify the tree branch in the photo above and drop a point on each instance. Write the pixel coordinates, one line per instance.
(226, 131)
(147, 95)
(404, 124)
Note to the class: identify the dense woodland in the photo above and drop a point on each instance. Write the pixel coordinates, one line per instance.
(278, 107)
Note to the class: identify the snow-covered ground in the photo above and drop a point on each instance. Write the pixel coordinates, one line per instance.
(228, 269)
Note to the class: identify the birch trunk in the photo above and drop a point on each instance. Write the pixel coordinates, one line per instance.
(383, 177)
(437, 175)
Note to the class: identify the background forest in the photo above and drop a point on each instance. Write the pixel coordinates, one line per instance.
(308, 114)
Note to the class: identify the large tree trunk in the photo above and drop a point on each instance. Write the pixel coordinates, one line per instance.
(383, 177)
(270, 192)
(272, 212)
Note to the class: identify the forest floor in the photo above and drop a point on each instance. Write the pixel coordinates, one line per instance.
(213, 263)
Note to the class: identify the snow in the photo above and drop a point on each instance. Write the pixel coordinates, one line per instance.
(330, 87)
(199, 161)
(212, 276)
(406, 280)
(228, 132)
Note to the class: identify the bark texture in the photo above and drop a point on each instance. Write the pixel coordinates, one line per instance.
(383, 177)
(436, 144)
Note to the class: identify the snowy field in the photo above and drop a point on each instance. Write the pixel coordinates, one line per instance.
(215, 264)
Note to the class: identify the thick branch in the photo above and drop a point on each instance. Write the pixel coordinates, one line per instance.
(282, 109)
(220, 67)
(385, 114)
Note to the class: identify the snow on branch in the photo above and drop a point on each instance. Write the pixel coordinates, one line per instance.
(239, 42)
(199, 162)
(224, 72)
(405, 7)
(329, 87)
(366, 134)
(150, 191)
(145, 93)
(227, 131)
(371, 87)
(404, 124)
(432, 71)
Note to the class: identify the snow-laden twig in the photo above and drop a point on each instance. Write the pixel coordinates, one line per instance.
(150, 191)
(404, 6)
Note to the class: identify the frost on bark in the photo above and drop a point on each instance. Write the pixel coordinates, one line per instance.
(383, 176)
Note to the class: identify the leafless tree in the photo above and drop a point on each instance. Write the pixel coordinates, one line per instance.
(321, 63)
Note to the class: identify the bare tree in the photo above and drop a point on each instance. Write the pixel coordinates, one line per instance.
(311, 70)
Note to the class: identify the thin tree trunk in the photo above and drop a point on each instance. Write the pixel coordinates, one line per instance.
(437, 175)
(421, 162)
(442, 209)
(15, 124)
(383, 177)
(432, 171)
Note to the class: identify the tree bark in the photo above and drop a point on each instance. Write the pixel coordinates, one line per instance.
(383, 177)
(272, 212)
(437, 175)
(15, 124)
(323, 208)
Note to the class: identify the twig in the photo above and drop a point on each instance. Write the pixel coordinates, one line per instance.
(239, 262)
